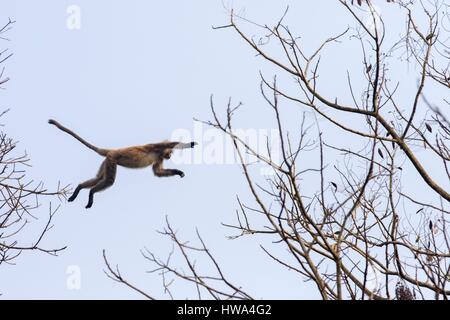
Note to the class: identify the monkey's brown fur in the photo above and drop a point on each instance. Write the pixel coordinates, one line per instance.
(152, 154)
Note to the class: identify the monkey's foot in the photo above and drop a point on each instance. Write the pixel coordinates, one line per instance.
(88, 205)
(74, 195)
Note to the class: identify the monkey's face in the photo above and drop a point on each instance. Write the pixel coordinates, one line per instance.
(167, 153)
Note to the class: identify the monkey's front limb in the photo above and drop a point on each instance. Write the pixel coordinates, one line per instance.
(182, 145)
(168, 172)
(159, 171)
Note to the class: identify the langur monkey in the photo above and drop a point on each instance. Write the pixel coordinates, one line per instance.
(152, 154)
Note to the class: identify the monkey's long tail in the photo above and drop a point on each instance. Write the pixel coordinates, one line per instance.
(100, 151)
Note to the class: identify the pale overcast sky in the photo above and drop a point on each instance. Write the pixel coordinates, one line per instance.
(139, 72)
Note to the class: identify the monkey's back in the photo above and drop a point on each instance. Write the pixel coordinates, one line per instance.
(133, 157)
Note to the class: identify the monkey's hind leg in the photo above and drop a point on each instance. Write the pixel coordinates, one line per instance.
(88, 183)
(107, 178)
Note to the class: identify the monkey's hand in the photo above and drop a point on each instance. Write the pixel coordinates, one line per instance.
(180, 173)
(193, 143)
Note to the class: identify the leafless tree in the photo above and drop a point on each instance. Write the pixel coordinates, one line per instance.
(210, 285)
(369, 219)
(19, 197)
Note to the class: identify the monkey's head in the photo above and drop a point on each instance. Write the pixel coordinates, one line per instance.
(167, 153)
